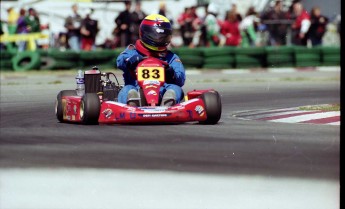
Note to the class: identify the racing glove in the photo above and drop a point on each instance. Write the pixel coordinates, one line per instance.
(169, 75)
(133, 61)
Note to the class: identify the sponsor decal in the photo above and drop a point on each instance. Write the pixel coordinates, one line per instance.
(75, 109)
(132, 115)
(152, 92)
(154, 115)
(107, 113)
(151, 82)
(200, 110)
(150, 86)
(153, 109)
(119, 116)
(130, 108)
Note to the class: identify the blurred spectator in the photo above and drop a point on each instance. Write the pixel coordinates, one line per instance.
(137, 16)
(123, 21)
(12, 20)
(186, 25)
(163, 11)
(212, 26)
(277, 29)
(1, 30)
(248, 27)
(339, 27)
(22, 28)
(33, 21)
(317, 27)
(73, 23)
(199, 37)
(301, 25)
(230, 29)
(2, 46)
(233, 10)
(89, 30)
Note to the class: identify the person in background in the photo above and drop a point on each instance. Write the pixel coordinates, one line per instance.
(123, 22)
(301, 25)
(12, 20)
(248, 27)
(317, 27)
(2, 46)
(233, 10)
(212, 26)
(199, 37)
(163, 11)
(186, 28)
(277, 31)
(339, 28)
(72, 24)
(22, 28)
(88, 31)
(230, 29)
(33, 21)
(137, 16)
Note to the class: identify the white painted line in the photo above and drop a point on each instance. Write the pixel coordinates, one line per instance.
(129, 189)
(329, 69)
(282, 70)
(263, 111)
(193, 72)
(301, 118)
(334, 123)
(230, 71)
(275, 114)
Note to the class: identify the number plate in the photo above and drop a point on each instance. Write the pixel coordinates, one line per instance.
(151, 73)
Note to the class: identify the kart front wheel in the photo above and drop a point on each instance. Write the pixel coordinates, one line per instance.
(59, 109)
(90, 106)
(213, 107)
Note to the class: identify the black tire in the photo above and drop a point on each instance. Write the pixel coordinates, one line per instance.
(89, 108)
(58, 103)
(213, 107)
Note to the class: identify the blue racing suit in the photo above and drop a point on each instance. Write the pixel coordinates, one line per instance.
(174, 83)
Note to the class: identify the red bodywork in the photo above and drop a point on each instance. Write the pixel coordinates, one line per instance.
(113, 112)
(193, 109)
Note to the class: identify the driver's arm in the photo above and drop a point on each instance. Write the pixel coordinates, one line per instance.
(122, 59)
(179, 71)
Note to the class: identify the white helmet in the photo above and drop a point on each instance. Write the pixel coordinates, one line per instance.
(212, 8)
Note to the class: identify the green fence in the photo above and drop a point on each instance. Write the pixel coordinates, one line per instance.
(207, 58)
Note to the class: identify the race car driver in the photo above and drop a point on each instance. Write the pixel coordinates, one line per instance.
(155, 34)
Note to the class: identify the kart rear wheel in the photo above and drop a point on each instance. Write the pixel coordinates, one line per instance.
(213, 107)
(90, 107)
(58, 102)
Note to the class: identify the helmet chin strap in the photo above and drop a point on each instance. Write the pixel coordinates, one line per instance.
(147, 52)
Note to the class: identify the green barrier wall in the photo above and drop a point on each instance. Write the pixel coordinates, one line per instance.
(201, 58)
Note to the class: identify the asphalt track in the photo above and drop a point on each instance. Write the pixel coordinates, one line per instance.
(31, 137)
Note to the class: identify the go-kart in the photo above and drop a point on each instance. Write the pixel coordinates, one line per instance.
(99, 103)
